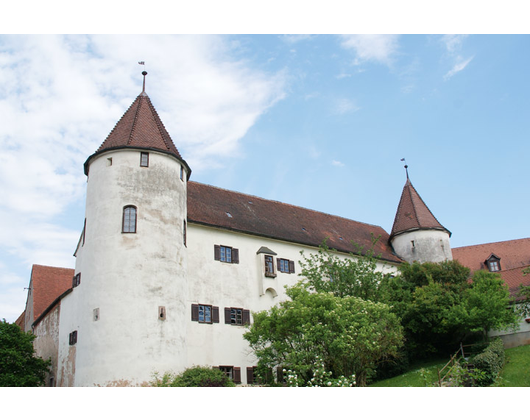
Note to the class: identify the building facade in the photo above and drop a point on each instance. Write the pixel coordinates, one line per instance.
(169, 271)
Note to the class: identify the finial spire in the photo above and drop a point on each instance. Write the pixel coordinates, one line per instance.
(143, 89)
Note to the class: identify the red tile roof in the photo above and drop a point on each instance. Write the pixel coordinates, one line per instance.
(413, 213)
(514, 257)
(48, 283)
(140, 127)
(244, 213)
(513, 254)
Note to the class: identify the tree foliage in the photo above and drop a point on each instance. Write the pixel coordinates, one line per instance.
(196, 376)
(439, 306)
(347, 334)
(18, 364)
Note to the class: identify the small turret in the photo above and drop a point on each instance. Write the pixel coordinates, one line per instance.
(416, 234)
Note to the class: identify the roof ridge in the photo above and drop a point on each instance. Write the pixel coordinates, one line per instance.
(493, 243)
(159, 124)
(135, 119)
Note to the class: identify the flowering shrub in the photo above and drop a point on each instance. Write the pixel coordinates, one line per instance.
(321, 378)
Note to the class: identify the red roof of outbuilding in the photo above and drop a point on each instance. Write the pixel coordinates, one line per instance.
(48, 283)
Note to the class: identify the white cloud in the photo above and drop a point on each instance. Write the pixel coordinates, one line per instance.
(458, 67)
(378, 48)
(337, 163)
(454, 44)
(60, 96)
(345, 106)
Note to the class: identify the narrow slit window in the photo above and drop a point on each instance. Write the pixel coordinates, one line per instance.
(144, 159)
(129, 219)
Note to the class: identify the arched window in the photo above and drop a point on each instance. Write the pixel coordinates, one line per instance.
(129, 219)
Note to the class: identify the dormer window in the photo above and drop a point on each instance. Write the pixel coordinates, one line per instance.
(493, 263)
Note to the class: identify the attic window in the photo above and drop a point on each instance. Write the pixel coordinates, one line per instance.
(493, 263)
(229, 215)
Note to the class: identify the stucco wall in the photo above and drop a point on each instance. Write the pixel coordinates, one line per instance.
(423, 246)
(47, 341)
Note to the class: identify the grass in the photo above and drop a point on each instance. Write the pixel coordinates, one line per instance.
(516, 372)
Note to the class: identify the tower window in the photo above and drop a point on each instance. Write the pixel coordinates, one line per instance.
(72, 338)
(129, 219)
(184, 234)
(144, 159)
(181, 173)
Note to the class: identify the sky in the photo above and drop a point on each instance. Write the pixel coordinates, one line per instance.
(318, 121)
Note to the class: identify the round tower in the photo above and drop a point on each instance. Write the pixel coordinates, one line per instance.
(130, 308)
(416, 234)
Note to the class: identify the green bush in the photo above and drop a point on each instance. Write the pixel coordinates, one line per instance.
(489, 363)
(197, 376)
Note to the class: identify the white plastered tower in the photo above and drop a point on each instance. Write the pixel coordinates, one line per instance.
(129, 308)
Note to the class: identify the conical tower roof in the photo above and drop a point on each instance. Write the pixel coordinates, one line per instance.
(140, 128)
(413, 213)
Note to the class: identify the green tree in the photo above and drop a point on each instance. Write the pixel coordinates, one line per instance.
(18, 364)
(356, 275)
(486, 304)
(348, 335)
(196, 376)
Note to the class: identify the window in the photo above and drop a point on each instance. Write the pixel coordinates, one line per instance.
(285, 266)
(493, 263)
(232, 372)
(129, 219)
(95, 313)
(76, 281)
(144, 159)
(184, 234)
(237, 316)
(226, 254)
(205, 314)
(269, 266)
(72, 339)
(181, 173)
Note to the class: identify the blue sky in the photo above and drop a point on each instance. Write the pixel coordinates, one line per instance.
(318, 121)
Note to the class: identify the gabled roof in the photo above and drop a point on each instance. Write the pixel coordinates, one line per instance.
(47, 283)
(512, 254)
(244, 213)
(514, 257)
(413, 213)
(140, 128)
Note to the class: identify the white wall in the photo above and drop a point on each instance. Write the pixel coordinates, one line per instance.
(423, 246)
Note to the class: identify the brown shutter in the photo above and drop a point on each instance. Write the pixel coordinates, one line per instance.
(194, 312)
(217, 252)
(227, 315)
(237, 375)
(250, 375)
(291, 266)
(73, 281)
(79, 279)
(215, 314)
(235, 256)
(279, 374)
(246, 316)
(278, 262)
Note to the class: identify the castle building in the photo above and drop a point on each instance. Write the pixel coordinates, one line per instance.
(168, 271)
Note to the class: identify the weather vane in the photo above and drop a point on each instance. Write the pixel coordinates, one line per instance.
(406, 167)
(142, 63)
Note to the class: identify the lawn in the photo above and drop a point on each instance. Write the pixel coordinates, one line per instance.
(516, 372)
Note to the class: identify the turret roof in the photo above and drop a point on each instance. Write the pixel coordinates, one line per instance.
(413, 213)
(140, 128)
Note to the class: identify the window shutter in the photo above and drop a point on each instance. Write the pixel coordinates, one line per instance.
(79, 279)
(250, 375)
(235, 256)
(237, 375)
(279, 374)
(246, 316)
(291, 266)
(194, 312)
(73, 281)
(217, 252)
(227, 315)
(279, 265)
(215, 314)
